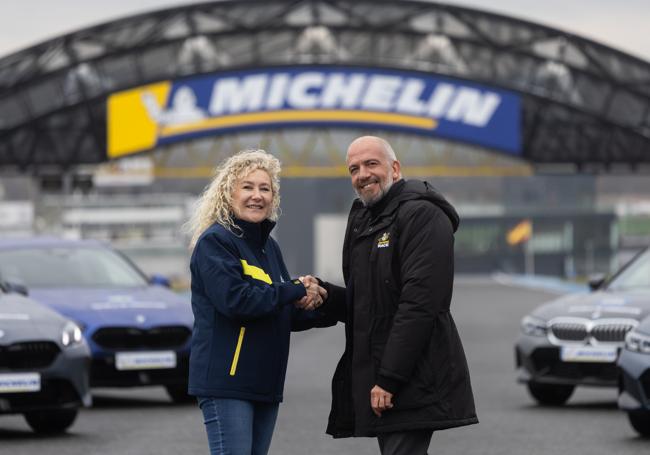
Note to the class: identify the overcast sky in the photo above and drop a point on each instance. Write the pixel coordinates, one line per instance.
(622, 24)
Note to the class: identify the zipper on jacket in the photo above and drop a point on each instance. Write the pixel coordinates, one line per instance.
(235, 359)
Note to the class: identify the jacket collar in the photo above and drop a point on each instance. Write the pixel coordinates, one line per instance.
(257, 233)
(384, 206)
(400, 192)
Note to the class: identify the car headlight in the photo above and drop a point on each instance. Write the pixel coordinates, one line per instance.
(71, 334)
(637, 342)
(533, 326)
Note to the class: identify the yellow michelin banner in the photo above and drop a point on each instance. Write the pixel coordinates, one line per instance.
(154, 115)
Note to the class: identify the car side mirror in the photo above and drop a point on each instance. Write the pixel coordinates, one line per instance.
(596, 281)
(160, 280)
(15, 288)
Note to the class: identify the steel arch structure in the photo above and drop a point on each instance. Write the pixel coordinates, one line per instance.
(584, 104)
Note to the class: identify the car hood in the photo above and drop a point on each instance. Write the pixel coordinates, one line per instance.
(22, 319)
(597, 305)
(146, 306)
(644, 326)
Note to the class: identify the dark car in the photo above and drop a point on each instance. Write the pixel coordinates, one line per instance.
(576, 339)
(44, 364)
(634, 365)
(138, 332)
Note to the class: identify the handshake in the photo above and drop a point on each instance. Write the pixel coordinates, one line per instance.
(315, 294)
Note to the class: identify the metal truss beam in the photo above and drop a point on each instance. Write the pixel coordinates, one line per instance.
(584, 103)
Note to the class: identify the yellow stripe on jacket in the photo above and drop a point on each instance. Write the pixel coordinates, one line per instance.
(235, 359)
(255, 272)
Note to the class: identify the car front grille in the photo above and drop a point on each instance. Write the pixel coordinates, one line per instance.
(569, 331)
(585, 330)
(611, 332)
(28, 355)
(165, 337)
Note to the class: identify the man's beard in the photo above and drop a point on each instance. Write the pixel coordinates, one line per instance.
(384, 187)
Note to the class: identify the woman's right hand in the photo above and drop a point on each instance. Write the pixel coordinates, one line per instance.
(315, 294)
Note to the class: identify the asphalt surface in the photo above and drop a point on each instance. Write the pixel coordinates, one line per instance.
(143, 421)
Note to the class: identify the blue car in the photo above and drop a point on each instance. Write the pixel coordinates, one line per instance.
(138, 332)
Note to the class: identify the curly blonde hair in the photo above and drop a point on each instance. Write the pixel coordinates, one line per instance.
(215, 203)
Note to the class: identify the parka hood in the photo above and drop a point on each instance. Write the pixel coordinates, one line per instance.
(408, 190)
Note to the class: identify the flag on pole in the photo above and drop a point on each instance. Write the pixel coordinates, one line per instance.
(520, 233)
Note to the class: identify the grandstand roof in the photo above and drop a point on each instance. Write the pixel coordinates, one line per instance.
(584, 103)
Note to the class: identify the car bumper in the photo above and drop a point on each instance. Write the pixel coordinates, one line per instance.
(104, 373)
(63, 385)
(634, 381)
(538, 360)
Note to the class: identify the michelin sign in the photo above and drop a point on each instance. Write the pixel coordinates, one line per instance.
(171, 111)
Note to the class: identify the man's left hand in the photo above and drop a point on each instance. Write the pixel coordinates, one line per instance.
(380, 400)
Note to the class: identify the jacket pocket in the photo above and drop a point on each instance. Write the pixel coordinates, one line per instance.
(235, 358)
(255, 357)
(432, 370)
(426, 380)
(422, 389)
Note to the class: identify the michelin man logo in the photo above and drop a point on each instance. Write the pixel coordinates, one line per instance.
(183, 108)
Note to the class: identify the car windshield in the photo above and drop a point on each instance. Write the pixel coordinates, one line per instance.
(635, 277)
(68, 267)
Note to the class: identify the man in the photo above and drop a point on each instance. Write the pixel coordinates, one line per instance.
(403, 373)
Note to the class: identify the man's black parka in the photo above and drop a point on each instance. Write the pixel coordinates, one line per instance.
(398, 266)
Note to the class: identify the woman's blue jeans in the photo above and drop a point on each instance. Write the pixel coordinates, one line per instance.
(238, 427)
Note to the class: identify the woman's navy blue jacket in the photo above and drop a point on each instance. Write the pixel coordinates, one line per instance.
(242, 301)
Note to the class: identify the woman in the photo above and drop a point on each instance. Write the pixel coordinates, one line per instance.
(242, 299)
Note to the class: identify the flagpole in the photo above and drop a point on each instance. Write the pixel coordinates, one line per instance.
(529, 256)
(523, 233)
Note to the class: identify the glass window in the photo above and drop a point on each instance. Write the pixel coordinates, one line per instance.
(636, 276)
(68, 267)
(478, 238)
